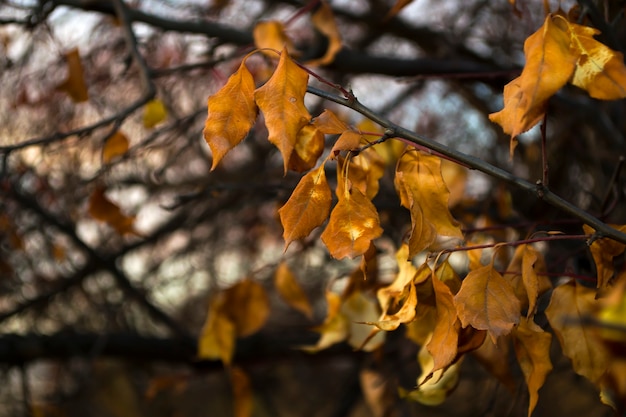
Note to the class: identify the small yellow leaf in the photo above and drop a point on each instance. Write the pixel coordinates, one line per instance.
(353, 224)
(242, 392)
(281, 100)
(336, 327)
(246, 304)
(487, 301)
(532, 348)
(104, 210)
(307, 208)
(74, 85)
(329, 124)
(289, 289)
(154, 113)
(115, 146)
(309, 147)
(348, 141)
(603, 251)
(217, 339)
(360, 309)
(231, 114)
(444, 342)
(324, 21)
(526, 272)
(272, 35)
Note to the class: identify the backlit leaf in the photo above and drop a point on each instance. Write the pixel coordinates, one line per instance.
(603, 251)
(104, 210)
(391, 321)
(271, 34)
(329, 124)
(599, 69)
(526, 272)
(324, 21)
(348, 141)
(420, 186)
(570, 304)
(246, 304)
(74, 85)
(231, 114)
(154, 112)
(281, 100)
(308, 149)
(115, 146)
(360, 309)
(389, 295)
(352, 226)
(218, 335)
(308, 206)
(290, 291)
(487, 301)
(444, 342)
(549, 65)
(336, 327)
(532, 348)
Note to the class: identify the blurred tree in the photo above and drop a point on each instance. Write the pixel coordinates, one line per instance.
(120, 228)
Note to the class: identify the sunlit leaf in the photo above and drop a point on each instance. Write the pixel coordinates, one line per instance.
(336, 327)
(487, 301)
(599, 69)
(329, 124)
(455, 178)
(421, 189)
(352, 226)
(218, 335)
(549, 65)
(348, 141)
(360, 309)
(604, 251)
(115, 146)
(309, 147)
(444, 342)
(532, 348)
(74, 85)
(290, 291)
(272, 35)
(231, 114)
(154, 113)
(387, 296)
(281, 100)
(570, 304)
(308, 206)
(405, 314)
(247, 305)
(104, 210)
(324, 21)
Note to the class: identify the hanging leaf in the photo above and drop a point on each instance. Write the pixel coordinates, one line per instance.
(281, 100)
(272, 35)
(352, 226)
(307, 208)
(348, 141)
(532, 348)
(360, 309)
(335, 328)
(365, 171)
(74, 85)
(309, 147)
(154, 113)
(246, 304)
(115, 146)
(290, 291)
(526, 272)
(242, 392)
(324, 21)
(421, 189)
(444, 342)
(570, 305)
(104, 210)
(487, 301)
(495, 358)
(389, 296)
(231, 114)
(603, 251)
(329, 124)
(218, 335)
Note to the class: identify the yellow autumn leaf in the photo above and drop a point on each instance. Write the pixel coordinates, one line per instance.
(603, 251)
(365, 170)
(104, 210)
(74, 85)
(336, 327)
(389, 295)
(307, 208)
(272, 35)
(532, 348)
(218, 335)
(526, 272)
(307, 150)
(290, 291)
(353, 224)
(231, 114)
(570, 305)
(487, 301)
(422, 190)
(154, 113)
(549, 65)
(281, 99)
(324, 21)
(445, 338)
(115, 146)
(349, 140)
(247, 305)
(360, 309)
(243, 398)
(329, 124)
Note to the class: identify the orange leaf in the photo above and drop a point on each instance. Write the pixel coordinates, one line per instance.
(352, 226)
(388, 296)
(246, 304)
(405, 314)
(532, 348)
(324, 21)
(271, 35)
(289, 289)
(242, 392)
(115, 146)
(104, 210)
(309, 147)
(281, 100)
(217, 339)
(526, 275)
(421, 189)
(444, 342)
(335, 328)
(487, 301)
(603, 251)
(231, 114)
(599, 69)
(329, 124)
(365, 170)
(570, 305)
(154, 113)
(359, 310)
(74, 85)
(397, 7)
(307, 208)
(549, 65)
(348, 141)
